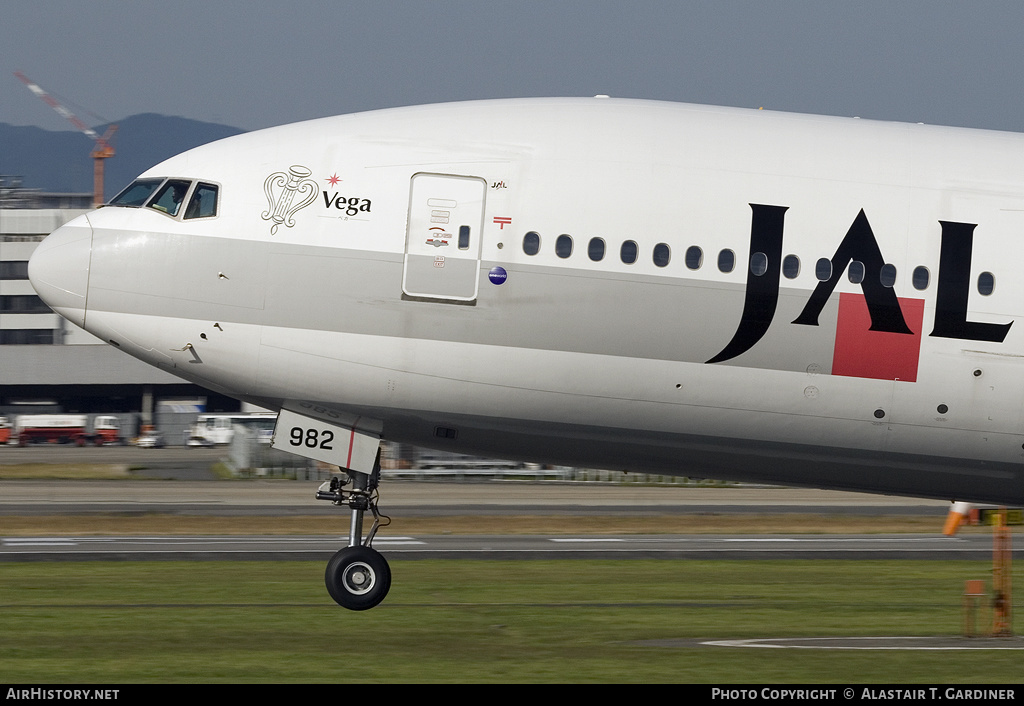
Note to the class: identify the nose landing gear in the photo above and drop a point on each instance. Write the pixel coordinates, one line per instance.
(357, 577)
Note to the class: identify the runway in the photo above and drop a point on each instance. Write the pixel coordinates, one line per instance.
(271, 499)
(440, 498)
(262, 548)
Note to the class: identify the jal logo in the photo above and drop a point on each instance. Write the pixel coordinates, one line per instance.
(878, 335)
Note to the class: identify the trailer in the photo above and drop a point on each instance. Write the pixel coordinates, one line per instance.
(66, 429)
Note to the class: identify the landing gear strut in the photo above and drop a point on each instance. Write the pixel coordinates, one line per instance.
(357, 577)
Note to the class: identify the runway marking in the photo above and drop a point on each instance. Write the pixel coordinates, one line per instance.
(395, 543)
(795, 643)
(15, 542)
(811, 540)
(759, 540)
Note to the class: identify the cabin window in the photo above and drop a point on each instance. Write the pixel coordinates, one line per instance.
(137, 193)
(531, 243)
(628, 252)
(888, 275)
(662, 254)
(856, 272)
(463, 237)
(920, 277)
(758, 264)
(563, 246)
(791, 266)
(694, 257)
(823, 269)
(986, 283)
(203, 203)
(595, 249)
(726, 260)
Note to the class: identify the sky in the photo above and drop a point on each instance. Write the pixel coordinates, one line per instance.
(257, 64)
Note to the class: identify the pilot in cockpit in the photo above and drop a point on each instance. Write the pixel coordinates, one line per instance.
(177, 194)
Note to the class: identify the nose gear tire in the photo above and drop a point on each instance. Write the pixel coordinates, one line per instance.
(358, 578)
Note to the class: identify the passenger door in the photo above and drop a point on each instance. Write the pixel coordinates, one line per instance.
(442, 246)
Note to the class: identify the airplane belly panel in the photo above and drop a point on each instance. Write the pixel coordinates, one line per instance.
(610, 415)
(602, 391)
(216, 353)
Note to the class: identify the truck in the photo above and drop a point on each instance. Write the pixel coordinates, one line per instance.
(66, 429)
(219, 429)
(5, 430)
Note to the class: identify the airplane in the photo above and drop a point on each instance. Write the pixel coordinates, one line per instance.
(625, 284)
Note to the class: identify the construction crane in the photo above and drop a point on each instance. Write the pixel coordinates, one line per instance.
(103, 149)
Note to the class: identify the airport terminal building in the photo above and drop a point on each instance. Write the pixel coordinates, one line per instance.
(48, 365)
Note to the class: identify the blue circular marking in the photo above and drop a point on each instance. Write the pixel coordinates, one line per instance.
(497, 275)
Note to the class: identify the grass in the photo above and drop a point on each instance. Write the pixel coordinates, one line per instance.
(65, 471)
(484, 621)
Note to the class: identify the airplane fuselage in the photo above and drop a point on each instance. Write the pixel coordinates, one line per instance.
(654, 287)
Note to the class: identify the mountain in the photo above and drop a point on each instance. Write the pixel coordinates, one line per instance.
(60, 161)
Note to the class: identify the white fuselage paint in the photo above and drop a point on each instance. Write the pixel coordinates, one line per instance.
(566, 359)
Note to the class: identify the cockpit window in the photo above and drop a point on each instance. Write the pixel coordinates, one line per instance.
(203, 203)
(137, 193)
(170, 196)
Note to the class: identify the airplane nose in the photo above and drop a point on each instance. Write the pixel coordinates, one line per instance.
(59, 269)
